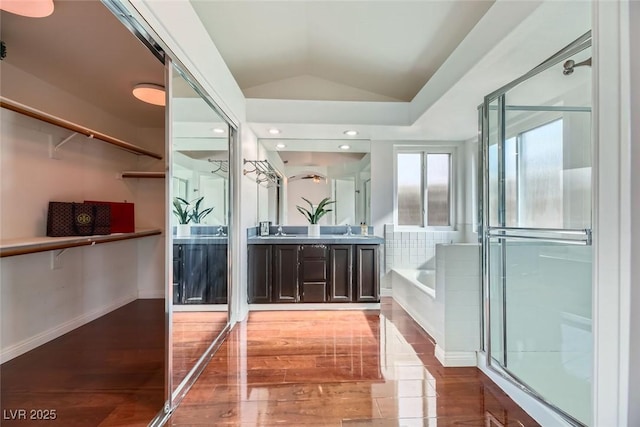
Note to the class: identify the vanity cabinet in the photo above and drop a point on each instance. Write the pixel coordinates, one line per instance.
(341, 273)
(260, 273)
(199, 273)
(367, 273)
(313, 273)
(285, 273)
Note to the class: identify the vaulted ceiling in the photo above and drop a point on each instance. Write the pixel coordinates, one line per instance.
(337, 50)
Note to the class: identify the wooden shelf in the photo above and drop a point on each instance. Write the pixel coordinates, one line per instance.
(32, 112)
(33, 245)
(134, 174)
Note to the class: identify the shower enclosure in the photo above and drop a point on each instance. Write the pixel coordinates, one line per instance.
(536, 231)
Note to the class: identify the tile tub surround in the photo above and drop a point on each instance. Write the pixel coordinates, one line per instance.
(415, 248)
(452, 315)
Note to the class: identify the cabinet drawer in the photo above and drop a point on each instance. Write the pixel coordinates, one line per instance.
(314, 292)
(314, 251)
(314, 270)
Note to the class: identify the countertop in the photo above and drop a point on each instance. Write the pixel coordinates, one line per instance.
(302, 239)
(202, 239)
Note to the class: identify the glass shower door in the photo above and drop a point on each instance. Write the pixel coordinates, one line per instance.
(537, 236)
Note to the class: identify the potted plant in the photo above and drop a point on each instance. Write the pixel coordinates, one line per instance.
(313, 215)
(196, 215)
(188, 212)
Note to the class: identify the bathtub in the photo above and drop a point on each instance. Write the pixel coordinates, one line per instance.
(423, 280)
(454, 326)
(415, 291)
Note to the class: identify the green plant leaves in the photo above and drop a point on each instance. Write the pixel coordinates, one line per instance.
(313, 215)
(189, 211)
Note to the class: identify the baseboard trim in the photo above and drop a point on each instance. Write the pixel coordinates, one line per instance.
(200, 307)
(315, 306)
(456, 358)
(28, 344)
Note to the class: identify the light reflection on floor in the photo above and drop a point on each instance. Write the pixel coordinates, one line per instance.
(340, 368)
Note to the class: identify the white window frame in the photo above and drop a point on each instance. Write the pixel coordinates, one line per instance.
(453, 185)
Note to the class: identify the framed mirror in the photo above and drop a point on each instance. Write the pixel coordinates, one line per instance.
(315, 169)
(199, 220)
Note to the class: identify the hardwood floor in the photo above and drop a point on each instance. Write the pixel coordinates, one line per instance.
(193, 332)
(340, 368)
(109, 372)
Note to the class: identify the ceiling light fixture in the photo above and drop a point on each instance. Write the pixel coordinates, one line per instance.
(218, 130)
(150, 93)
(274, 131)
(28, 8)
(280, 145)
(344, 147)
(351, 132)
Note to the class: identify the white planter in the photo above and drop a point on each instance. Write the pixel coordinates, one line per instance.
(314, 230)
(183, 230)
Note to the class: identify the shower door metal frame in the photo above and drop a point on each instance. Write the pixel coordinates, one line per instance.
(502, 233)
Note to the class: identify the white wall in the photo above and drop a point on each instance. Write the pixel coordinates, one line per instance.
(314, 192)
(248, 217)
(634, 74)
(613, 303)
(38, 302)
(382, 173)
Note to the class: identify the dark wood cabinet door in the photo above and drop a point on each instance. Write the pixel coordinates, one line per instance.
(285, 273)
(260, 262)
(367, 279)
(313, 273)
(178, 282)
(217, 274)
(341, 277)
(195, 274)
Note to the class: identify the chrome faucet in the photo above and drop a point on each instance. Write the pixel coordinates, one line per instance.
(348, 233)
(280, 232)
(221, 232)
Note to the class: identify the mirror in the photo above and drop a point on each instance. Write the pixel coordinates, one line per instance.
(315, 169)
(199, 197)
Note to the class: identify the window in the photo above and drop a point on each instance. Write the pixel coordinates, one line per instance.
(424, 189)
(537, 188)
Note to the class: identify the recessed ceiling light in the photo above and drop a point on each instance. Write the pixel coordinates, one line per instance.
(274, 131)
(280, 145)
(218, 130)
(30, 9)
(344, 147)
(351, 132)
(150, 93)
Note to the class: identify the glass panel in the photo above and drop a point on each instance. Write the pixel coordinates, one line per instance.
(492, 153)
(540, 293)
(511, 182)
(540, 178)
(496, 301)
(200, 176)
(548, 322)
(410, 189)
(438, 189)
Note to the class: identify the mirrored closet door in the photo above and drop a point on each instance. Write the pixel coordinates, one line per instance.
(198, 191)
